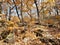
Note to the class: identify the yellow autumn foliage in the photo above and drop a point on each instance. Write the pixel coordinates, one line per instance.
(10, 28)
(15, 19)
(49, 21)
(31, 35)
(17, 2)
(25, 10)
(57, 17)
(10, 23)
(26, 19)
(52, 2)
(57, 35)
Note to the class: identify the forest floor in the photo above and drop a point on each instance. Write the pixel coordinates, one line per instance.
(29, 34)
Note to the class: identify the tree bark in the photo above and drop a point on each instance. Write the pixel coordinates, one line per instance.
(9, 13)
(21, 13)
(16, 9)
(35, 1)
(0, 8)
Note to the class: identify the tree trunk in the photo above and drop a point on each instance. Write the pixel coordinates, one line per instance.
(0, 8)
(29, 13)
(35, 1)
(9, 13)
(21, 13)
(16, 9)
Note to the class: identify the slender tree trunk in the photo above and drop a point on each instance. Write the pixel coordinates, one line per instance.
(29, 13)
(56, 9)
(16, 9)
(6, 15)
(0, 8)
(35, 1)
(9, 13)
(21, 13)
